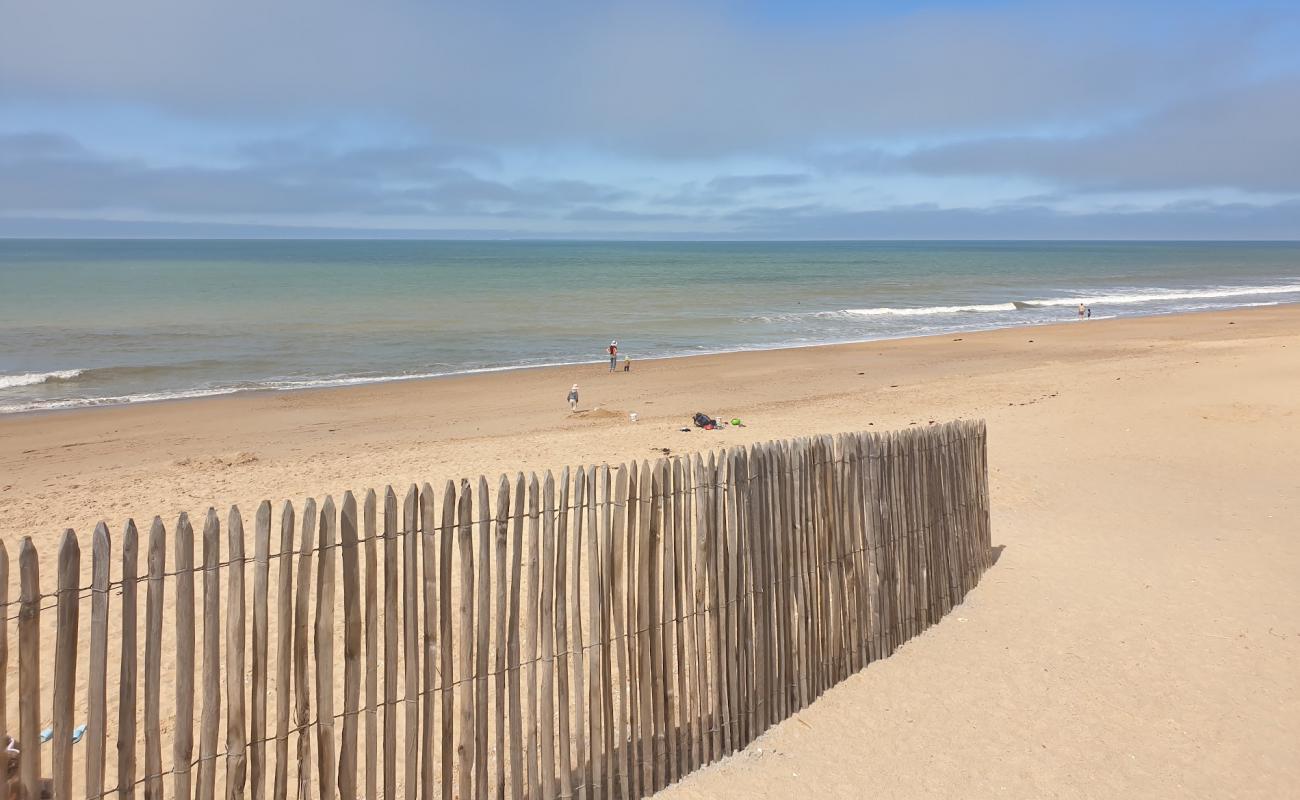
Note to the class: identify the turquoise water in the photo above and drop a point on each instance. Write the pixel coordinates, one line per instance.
(102, 322)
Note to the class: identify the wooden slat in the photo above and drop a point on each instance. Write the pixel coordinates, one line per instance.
(631, 641)
(616, 579)
(597, 688)
(716, 597)
(665, 689)
(4, 640)
(128, 674)
(261, 651)
(463, 643)
(582, 780)
(744, 600)
(183, 731)
(236, 631)
(29, 668)
(678, 703)
(348, 763)
(532, 609)
(429, 595)
(620, 683)
(688, 710)
(391, 635)
(871, 510)
(564, 732)
(735, 610)
(97, 679)
(370, 520)
(411, 638)
(770, 597)
(283, 651)
(646, 615)
(323, 645)
(499, 636)
(445, 652)
(482, 641)
(699, 611)
(210, 721)
(516, 791)
(301, 622)
(798, 579)
(835, 553)
(546, 632)
(65, 661)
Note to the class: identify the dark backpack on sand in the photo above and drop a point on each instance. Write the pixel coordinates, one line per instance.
(702, 420)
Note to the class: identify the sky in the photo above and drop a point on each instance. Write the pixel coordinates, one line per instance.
(662, 120)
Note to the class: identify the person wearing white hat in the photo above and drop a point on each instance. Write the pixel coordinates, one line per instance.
(613, 355)
(573, 398)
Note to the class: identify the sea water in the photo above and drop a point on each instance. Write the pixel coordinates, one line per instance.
(104, 322)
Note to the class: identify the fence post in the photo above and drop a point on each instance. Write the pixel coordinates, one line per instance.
(29, 669)
(283, 651)
(183, 742)
(445, 613)
(235, 632)
(482, 632)
(97, 678)
(512, 645)
(127, 681)
(301, 675)
(463, 644)
(499, 634)
(429, 594)
(261, 653)
(324, 650)
(411, 638)
(347, 776)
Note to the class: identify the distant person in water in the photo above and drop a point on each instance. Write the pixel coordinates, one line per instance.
(573, 398)
(1089, 312)
(1081, 311)
(613, 355)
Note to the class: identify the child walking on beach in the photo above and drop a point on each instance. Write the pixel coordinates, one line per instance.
(573, 398)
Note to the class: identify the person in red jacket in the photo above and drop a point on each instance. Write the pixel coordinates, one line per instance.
(613, 355)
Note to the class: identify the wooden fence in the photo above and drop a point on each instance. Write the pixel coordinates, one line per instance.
(599, 634)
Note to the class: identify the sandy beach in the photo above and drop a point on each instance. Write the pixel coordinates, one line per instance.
(1137, 636)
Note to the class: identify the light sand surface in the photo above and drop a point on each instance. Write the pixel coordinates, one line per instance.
(1138, 636)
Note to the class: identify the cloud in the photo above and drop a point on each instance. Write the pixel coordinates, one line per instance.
(689, 119)
(45, 172)
(1203, 221)
(669, 79)
(1247, 138)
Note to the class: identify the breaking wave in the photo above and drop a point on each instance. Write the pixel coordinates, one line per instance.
(37, 378)
(1118, 298)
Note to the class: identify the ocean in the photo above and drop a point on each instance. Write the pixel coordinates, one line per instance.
(85, 323)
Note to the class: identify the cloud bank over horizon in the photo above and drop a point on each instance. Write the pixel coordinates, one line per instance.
(623, 120)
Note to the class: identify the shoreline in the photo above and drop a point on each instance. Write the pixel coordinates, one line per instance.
(223, 394)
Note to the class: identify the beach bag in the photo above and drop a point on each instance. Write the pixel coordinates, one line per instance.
(702, 420)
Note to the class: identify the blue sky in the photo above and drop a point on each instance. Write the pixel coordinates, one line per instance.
(784, 120)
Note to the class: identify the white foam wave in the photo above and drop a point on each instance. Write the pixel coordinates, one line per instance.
(90, 402)
(1165, 295)
(922, 311)
(36, 378)
(1137, 296)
